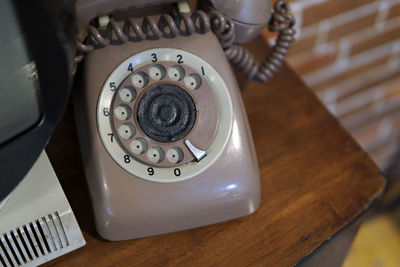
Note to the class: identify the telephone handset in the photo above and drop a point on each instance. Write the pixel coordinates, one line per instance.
(164, 135)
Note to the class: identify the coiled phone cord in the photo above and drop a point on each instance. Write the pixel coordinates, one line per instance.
(151, 28)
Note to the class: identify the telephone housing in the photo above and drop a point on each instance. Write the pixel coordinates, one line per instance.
(135, 194)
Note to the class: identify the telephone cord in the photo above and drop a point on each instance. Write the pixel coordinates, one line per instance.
(185, 24)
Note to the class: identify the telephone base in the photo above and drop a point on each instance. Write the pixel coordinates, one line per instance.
(135, 196)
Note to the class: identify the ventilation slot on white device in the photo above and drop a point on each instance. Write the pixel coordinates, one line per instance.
(33, 240)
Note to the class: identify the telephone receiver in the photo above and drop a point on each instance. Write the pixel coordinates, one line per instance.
(164, 135)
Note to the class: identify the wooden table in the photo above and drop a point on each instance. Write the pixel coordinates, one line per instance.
(315, 181)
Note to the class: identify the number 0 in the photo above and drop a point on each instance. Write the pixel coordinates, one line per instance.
(177, 172)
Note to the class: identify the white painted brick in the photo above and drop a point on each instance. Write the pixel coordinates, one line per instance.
(332, 108)
(343, 18)
(383, 154)
(345, 46)
(356, 121)
(362, 80)
(384, 8)
(352, 39)
(385, 128)
(354, 62)
(359, 100)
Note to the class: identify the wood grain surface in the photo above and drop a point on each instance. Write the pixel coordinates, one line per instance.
(315, 180)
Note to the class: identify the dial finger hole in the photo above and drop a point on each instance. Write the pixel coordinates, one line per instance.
(140, 80)
(155, 154)
(174, 155)
(157, 72)
(126, 130)
(192, 81)
(138, 146)
(176, 73)
(127, 94)
(122, 112)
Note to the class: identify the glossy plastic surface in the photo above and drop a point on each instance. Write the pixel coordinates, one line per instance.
(128, 207)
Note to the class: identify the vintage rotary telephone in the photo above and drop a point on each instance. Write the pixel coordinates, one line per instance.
(164, 134)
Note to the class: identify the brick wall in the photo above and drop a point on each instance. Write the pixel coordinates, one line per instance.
(348, 53)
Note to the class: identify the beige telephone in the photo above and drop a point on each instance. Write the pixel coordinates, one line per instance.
(164, 134)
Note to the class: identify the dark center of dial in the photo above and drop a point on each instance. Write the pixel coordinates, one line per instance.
(166, 113)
